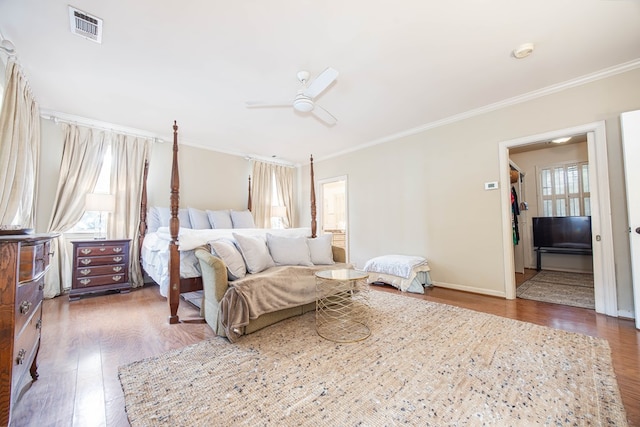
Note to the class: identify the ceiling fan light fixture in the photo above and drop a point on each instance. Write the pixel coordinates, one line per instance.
(303, 105)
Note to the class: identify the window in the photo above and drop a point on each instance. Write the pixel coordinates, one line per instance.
(90, 221)
(564, 190)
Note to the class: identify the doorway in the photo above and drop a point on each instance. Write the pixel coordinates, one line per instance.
(553, 188)
(333, 210)
(603, 261)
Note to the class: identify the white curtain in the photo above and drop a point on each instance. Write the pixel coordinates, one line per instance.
(127, 174)
(19, 150)
(82, 156)
(284, 188)
(261, 191)
(265, 175)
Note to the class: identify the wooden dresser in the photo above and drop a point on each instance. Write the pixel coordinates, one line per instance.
(23, 262)
(98, 266)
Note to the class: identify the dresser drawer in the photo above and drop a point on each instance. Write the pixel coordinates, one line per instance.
(85, 251)
(111, 279)
(100, 260)
(100, 270)
(24, 350)
(28, 298)
(34, 259)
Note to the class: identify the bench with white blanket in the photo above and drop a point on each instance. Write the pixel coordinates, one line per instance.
(405, 272)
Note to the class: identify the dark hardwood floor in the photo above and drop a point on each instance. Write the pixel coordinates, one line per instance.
(85, 341)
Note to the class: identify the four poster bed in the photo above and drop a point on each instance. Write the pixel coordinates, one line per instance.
(165, 268)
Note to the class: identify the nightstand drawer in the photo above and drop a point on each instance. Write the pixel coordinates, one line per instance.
(100, 260)
(101, 270)
(85, 282)
(85, 251)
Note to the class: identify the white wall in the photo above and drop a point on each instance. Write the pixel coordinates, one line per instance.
(423, 194)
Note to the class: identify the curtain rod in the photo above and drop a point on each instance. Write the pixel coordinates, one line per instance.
(270, 161)
(93, 124)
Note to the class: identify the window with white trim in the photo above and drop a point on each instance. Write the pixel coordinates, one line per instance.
(564, 189)
(90, 221)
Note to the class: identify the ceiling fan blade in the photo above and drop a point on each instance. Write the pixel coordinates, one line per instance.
(324, 115)
(251, 104)
(320, 83)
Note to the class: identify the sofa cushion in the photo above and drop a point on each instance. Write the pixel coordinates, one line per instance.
(289, 250)
(227, 251)
(320, 250)
(255, 253)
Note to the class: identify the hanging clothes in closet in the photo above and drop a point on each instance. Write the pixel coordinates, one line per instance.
(515, 211)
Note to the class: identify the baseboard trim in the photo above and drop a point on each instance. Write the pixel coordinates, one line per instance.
(624, 314)
(470, 289)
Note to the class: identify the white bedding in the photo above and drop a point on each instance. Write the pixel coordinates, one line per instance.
(405, 272)
(155, 249)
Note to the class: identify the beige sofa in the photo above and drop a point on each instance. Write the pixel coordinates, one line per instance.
(215, 285)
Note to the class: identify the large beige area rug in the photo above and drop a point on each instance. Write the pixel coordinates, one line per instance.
(559, 287)
(424, 364)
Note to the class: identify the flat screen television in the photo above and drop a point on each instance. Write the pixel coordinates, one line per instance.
(568, 232)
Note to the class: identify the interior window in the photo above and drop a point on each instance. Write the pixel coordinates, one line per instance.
(564, 190)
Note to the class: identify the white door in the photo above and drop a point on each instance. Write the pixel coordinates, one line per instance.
(631, 147)
(333, 210)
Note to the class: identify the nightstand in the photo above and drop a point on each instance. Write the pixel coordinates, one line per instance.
(98, 266)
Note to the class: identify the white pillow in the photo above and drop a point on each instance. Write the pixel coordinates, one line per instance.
(227, 252)
(320, 250)
(199, 219)
(242, 219)
(160, 217)
(255, 253)
(220, 219)
(289, 250)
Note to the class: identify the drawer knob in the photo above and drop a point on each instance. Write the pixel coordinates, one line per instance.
(25, 306)
(85, 281)
(85, 271)
(21, 355)
(86, 251)
(85, 261)
(117, 258)
(103, 249)
(117, 269)
(117, 278)
(117, 250)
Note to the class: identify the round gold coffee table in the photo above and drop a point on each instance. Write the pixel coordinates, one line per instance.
(342, 305)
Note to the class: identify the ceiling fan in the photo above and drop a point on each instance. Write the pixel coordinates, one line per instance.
(303, 101)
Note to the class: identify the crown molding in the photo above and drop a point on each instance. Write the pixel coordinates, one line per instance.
(582, 80)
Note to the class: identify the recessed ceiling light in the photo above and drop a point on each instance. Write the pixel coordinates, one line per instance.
(522, 51)
(561, 140)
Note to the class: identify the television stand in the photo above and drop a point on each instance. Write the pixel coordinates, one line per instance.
(567, 251)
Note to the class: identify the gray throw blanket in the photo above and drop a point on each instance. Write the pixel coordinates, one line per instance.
(274, 289)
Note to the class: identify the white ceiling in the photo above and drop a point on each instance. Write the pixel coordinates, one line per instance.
(403, 64)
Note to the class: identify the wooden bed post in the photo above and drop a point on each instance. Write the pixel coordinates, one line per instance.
(249, 202)
(142, 227)
(174, 228)
(314, 224)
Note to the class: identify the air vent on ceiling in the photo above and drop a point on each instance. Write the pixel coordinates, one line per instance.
(85, 25)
